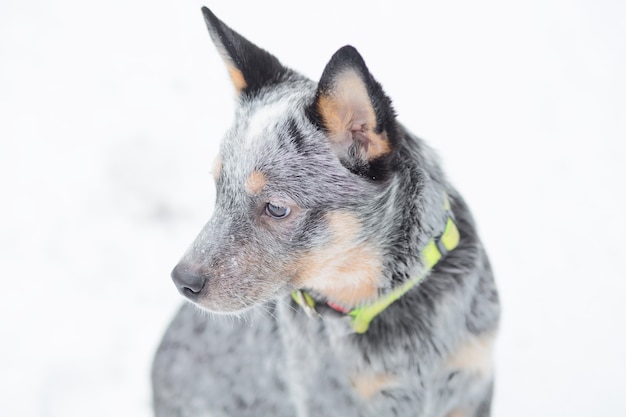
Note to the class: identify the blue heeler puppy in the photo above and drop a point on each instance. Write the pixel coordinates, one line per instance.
(355, 268)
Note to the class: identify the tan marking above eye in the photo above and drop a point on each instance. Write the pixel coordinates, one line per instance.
(255, 182)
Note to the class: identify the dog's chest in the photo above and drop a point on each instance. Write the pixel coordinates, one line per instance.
(329, 374)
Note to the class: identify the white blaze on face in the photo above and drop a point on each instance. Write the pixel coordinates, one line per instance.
(263, 120)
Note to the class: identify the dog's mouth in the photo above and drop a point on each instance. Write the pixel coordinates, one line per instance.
(228, 301)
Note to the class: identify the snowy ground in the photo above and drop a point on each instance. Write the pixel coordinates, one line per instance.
(110, 114)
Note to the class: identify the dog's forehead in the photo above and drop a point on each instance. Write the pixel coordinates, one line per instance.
(263, 123)
(275, 149)
(260, 129)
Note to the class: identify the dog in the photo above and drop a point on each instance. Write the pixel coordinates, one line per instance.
(354, 267)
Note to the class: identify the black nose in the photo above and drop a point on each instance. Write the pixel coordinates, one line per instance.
(188, 280)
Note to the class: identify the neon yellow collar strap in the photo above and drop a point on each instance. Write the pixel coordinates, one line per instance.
(432, 253)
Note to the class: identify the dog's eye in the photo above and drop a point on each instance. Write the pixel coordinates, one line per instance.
(276, 212)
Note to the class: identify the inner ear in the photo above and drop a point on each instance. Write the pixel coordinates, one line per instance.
(353, 110)
(349, 118)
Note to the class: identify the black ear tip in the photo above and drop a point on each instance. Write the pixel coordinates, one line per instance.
(209, 17)
(347, 56)
(348, 52)
(348, 49)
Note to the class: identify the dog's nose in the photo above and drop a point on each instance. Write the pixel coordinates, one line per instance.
(188, 280)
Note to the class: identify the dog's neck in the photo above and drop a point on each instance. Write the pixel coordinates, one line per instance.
(361, 317)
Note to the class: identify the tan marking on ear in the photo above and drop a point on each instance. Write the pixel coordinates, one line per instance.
(366, 385)
(217, 168)
(235, 73)
(345, 271)
(255, 183)
(475, 355)
(378, 145)
(337, 118)
(237, 78)
(348, 114)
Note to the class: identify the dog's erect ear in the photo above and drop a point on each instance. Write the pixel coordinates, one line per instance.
(353, 110)
(249, 66)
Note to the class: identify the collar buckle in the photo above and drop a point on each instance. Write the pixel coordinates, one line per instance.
(307, 303)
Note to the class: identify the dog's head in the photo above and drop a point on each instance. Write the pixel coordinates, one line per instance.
(305, 185)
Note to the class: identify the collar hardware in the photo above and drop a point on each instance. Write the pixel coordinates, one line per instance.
(307, 303)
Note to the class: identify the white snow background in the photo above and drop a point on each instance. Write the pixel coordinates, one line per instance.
(111, 114)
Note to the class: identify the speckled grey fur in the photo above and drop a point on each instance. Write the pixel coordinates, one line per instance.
(268, 358)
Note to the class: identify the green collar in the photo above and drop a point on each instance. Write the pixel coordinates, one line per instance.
(432, 253)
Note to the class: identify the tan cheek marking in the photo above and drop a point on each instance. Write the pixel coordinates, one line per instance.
(457, 413)
(475, 355)
(345, 272)
(255, 183)
(217, 168)
(238, 80)
(348, 110)
(360, 269)
(367, 385)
